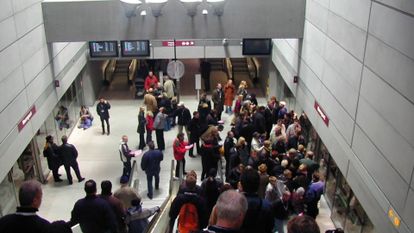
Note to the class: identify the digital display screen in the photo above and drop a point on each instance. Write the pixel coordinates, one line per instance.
(135, 48)
(257, 46)
(103, 48)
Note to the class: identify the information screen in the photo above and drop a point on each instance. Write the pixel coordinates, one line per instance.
(135, 48)
(257, 46)
(103, 48)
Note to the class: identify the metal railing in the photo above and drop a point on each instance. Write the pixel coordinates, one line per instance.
(134, 182)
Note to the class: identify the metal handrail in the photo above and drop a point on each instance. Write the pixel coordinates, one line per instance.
(133, 183)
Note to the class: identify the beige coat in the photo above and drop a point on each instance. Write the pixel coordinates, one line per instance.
(150, 102)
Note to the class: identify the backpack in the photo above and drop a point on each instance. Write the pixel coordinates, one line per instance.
(188, 218)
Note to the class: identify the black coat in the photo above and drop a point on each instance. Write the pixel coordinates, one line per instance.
(150, 162)
(53, 159)
(68, 153)
(183, 116)
(194, 126)
(259, 122)
(20, 223)
(94, 215)
(102, 110)
(141, 123)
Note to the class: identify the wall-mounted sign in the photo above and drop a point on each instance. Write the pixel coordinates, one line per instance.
(135, 48)
(178, 43)
(103, 48)
(321, 113)
(26, 118)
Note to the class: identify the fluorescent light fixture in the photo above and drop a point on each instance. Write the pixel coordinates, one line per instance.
(204, 12)
(191, 6)
(143, 13)
(156, 6)
(136, 2)
(218, 6)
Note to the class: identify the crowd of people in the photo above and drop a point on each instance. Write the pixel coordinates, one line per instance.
(269, 175)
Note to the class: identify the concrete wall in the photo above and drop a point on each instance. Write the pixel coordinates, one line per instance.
(357, 60)
(28, 69)
(106, 20)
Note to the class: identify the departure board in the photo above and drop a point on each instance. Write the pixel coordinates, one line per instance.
(135, 48)
(257, 46)
(103, 49)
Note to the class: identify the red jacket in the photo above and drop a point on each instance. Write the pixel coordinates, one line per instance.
(150, 123)
(179, 149)
(150, 82)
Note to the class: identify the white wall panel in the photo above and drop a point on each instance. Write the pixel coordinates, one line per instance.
(39, 84)
(344, 63)
(344, 93)
(35, 64)
(391, 65)
(295, 44)
(314, 37)
(12, 114)
(310, 80)
(57, 47)
(65, 56)
(190, 52)
(324, 3)
(350, 37)
(408, 213)
(289, 54)
(384, 174)
(355, 11)
(398, 115)
(19, 5)
(313, 59)
(10, 87)
(337, 115)
(393, 28)
(6, 9)
(31, 42)
(8, 34)
(317, 15)
(9, 56)
(28, 19)
(403, 5)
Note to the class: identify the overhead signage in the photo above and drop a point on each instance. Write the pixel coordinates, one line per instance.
(178, 43)
(321, 113)
(103, 49)
(135, 48)
(26, 118)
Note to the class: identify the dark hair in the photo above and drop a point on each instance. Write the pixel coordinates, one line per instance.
(212, 172)
(106, 187)
(64, 139)
(250, 180)
(28, 191)
(180, 135)
(151, 145)
(90, 187)
(136, 202)
(302, 224)
(49, 138)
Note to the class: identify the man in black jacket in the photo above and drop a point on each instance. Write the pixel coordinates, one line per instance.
(102, 108)
(50, 151)
(25, 219)
(93, 214)
(183, 116)
(69, 154)
(194, 128)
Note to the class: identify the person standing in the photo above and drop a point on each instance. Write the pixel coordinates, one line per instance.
(229, 92)
(179, 148)
(169, 87)
(183, 117)
(149, 126)
(194, 128)
(126, 154)
(159, 124)
(141, 128)
(102, 108)
(150, 163)
(50, 151)
(205, 69)
(150, 101)
(25, 219)
(218, 100)
(69, 154)
(93, 214)
(115, 203)
(150, 81)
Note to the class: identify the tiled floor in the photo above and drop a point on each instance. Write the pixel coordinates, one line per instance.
(99, 160)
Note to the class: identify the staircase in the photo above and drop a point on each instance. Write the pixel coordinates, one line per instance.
(239, 66)
(122, 69)
(217, 64)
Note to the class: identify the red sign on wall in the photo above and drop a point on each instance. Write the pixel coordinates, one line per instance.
(321, 113)
(178, 43)
(26, 118)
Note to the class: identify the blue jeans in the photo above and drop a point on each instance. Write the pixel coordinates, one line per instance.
(149, 182)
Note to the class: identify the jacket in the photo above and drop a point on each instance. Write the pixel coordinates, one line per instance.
(183, 116)
(150, 123)
(68, 153)
(141, 123)
(159, 121)
(150, 162)
(179, 149)
(124, 152)
(189, 197)
(24, 220)
(102, 110)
